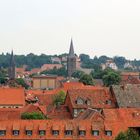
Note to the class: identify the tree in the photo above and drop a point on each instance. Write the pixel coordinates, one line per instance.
(21, 82)
(120, 61)
(78, 74)
(3, 76)
(86, 79)
(59, 98)
(128, 135)
(60, 72)
(32, 116)
(111, 78)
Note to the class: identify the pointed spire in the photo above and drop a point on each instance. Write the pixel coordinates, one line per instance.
(12, 60)
(71, 51)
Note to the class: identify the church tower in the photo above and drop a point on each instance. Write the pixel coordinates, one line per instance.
(11, 70)
(71, 61)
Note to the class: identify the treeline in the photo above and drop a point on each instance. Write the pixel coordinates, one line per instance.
(32, 60)
(95, 62)
(36, 61)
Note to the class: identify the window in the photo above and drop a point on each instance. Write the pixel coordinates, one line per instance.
(29, 132)
(2, 132)
(68, 132)
(95, 132)
(15, 132)
(42, 132)
(108, 133)
(108, 102)
(82, 133)
(55, 132)
(75, 112)
(88, 102)
(80, 101)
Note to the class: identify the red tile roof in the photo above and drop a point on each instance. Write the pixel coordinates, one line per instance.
(50, 66)
(12, 96)
(97, 97)
(10, 113)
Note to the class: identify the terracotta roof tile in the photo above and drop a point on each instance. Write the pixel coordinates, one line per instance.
(42, 126)
(29, 126)
(16, 126)
(12, 96)
(50, 66)
(98, 98)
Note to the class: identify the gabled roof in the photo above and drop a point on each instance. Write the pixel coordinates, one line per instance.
(98, 97)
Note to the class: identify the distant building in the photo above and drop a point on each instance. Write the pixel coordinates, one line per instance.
(56, 60)
(109, 64)
(46, 67)
(11, 70)
(45, 82)
(71, 61)
(128, 65)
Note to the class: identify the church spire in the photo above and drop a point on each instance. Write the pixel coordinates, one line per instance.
(71, 51)
(12, 60)
(12, 66)
(71, 61)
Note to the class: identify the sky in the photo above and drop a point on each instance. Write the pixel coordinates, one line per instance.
(97, 27)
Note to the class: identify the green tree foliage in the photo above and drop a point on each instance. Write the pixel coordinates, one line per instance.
(21, 82)
(33, 116)
(120, 61)
(32, 60)
(78, 74)
(111, 77)
(128, 135)
(86, 79)
(59, 98)
(60, 72)
(97, 73)
(3, 76)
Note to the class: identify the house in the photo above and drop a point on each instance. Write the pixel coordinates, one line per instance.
(12, 97)
(130, 78)
(78, 100)
(109, 64)
(106, 125)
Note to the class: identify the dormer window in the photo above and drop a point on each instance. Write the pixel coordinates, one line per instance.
(82, 133)
(88, 102)
(108, 102)
(68, 132)
(82, 130)
(2, 132)
(29, 132)
(42, 132)
(108, 133)
(55, 132)
(29, 129)
(15, 132)
(80, 101)
(95, 132)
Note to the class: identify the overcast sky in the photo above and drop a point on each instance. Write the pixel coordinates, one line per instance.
(98, 27)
